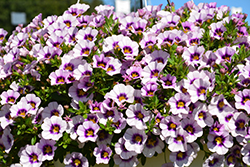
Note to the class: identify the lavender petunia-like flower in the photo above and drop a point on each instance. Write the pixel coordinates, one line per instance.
(135, 140)
(214, 160)
(137, 116)
(179, 103)
(53, 109)
(102, 154)
(53, 128)
(193, 54)
(152, 145)
(179, 142)
(122, 151)
(149, 89)
(31, 156)
(131, 162)
(241, 98)
(220, 143)
(181, 158)
(129, 48)
(21, 109)
(48, 149)
(75, 159)
(9, 96)
(198, 90)
(169, 126)
(121, 93)
(58, 77)
(87, 131)
(192, 128)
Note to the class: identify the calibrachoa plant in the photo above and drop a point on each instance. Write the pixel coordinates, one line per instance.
(116, 89)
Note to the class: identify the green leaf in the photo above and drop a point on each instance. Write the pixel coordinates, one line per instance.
(33, 140)
(143, 160)
(81, 105)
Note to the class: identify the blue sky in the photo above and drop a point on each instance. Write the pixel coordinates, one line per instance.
(244, 4)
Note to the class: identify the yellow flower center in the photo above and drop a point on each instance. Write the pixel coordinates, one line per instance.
(122, 97)
(96, 108)
(168, 83)
(56, 128)
(218, 140)
(150, 93)
(180, 155)
(33, 105)
(172, 126)
(134, 74)
(60, 80)
(34, 158)
(80, 92)
(138, 139)
(189, 129)
(68, 24)
(202, 91)
(48, 149)
(105, 154)
(245, 100)
(151, 142)
(201, 115)
(90, 132)
(179, 138)
(127, 50)
(140, 115)
(110, 68)
(241, 125)
(77, 162)
(69, 68)
(180, 104)
(11, 99)
(101, 65)
(221, 104)
(230, 159)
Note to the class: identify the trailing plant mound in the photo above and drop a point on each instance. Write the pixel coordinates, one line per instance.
(117, 89)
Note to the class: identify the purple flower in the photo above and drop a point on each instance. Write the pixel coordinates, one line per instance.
(9, 96)
(102, 154)
(53, 128)
(87, 131)
(135, 140)
(152, 145)
(87, 34)
(149, 89)
(193, 54)
(192, 128)
(217, 30)
(137, 116)
(75, 159)
(31, 156)
(179, 141)
(198, 90)
(48, 149)
(181, 158)
(169, 126)
(133, 161)
(121, 93)
(122, 151)
(58, 77)
(220, 143)
(214, 160)
(179, 103)
(53, 109)
(224, 54)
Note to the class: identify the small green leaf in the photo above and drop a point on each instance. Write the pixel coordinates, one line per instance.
(33, 140)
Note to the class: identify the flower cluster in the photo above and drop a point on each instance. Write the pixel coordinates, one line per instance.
(115, 89)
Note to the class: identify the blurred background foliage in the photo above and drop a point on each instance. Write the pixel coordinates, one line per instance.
(34, 7)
